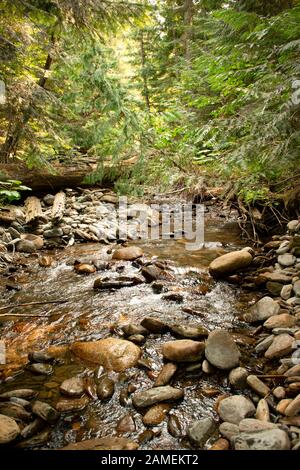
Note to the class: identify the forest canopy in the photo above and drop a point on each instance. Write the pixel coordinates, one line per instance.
(183, 87)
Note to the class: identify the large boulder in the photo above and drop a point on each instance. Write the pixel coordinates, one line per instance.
(230, 263)
(128, 253)
(183, 350)
(221, 351)
(112, 353)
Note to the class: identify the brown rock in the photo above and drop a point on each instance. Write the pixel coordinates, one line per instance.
(283, 320)
(229, 263)
(183, 350)
(156, 414)
(281, 346)
(111, 353)
(129, 253)
(104, 443)
(220, 444)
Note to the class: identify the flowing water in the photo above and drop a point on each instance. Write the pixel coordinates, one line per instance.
(90, 315)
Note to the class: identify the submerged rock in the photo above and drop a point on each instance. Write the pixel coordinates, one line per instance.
(156, 414)
(111, 353)
(103, 443)
(221, 350)
(156, 395)
(73, 387)
(105, 388)
(230, 263)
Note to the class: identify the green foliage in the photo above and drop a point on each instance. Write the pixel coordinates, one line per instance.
(10, 190)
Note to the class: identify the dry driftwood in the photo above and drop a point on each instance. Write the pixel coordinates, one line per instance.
(58, 208)
(33, 210)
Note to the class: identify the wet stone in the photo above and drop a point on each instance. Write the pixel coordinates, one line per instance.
(257, 385)
(174, 426)
(65, 405)
(126, 424)
(166, 374)
(262, 310)
(45, 411)
(9, 429)
(137, 339)
(200, 431)
(34, 427)
(156, 395)
(26, 393)
(154, 325)
(156, 414)
(105, 388)
(132, 329)
(188, 331)
(40, 369)
(15, 411)
(40, 356)
(73, 387)
(183, 350)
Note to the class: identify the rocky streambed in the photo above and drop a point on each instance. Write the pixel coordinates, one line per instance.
(145, 345)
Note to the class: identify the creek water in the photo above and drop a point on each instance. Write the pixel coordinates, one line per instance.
(90, 315)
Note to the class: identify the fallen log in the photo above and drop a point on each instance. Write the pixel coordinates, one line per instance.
(58, 208)
(33, 211)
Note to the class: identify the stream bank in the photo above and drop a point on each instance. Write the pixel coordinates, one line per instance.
(162, 304)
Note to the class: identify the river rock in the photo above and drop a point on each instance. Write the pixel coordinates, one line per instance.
(45, 411)
(274, 288)
(156, 414)
(14, 411)
(154, 325)
(132, 329)
(263, 345)
(126, 424)
(84, 268)
(257, 385)
(36, 441)
(254, 425)
(32, 428)
(199, 431)
(296, 288)
(262, 310)
(174, 426)
(40, 356)
(103, 443)
(294, 407)
(230, 263)
(40, 369)
(277, 276)
(292, 372)
(286, 291)
(220, 444)
(293, 226)
(53, 232)
(183, 350)
(105, 388)
(129, 253)
(165, 374)
(269, 439)
(112, 353)
(151, 273)
(48, 199)
(188, 331)
(66, 405)
(73, 387)
(281, 346)
(235, 408)
(262, 410)
(156, 395)
(26, 393)
(283, 320)
(25, 246)
(238, 378)
(228, 430)
(137, 339)
(221, 351)
(286, 260)
(9, 429)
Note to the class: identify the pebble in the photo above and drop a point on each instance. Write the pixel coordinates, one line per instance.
(73, 387)
(174, 426)
(156, 395)
(105, 388)
(45, 411)
(126, 424)
(257, 385)
(156, 414)
(221, 350)
(281, 346)
(183, 350)
(199, 431)
(228, 430)
(238, 378)
(279, 393)
(9, 429)
(167, 372)
(235, 408)
(262, 411)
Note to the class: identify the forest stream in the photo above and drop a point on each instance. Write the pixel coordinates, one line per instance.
(90, 315)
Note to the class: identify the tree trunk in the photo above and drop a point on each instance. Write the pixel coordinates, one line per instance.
(16, 129)
(144, 72)
(188, 11)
